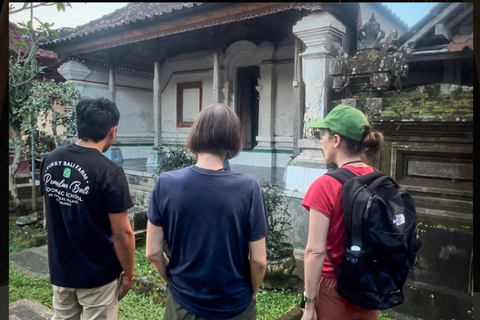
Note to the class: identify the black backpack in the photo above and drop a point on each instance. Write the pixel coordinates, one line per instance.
(380, 240)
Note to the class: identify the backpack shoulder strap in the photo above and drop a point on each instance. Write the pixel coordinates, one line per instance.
(342, 175)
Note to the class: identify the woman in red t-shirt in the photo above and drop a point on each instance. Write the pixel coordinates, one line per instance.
(347, 137)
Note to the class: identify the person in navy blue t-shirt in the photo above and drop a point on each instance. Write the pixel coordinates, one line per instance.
(214, 223)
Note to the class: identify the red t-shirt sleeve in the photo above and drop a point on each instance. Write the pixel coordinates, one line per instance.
(321, 195)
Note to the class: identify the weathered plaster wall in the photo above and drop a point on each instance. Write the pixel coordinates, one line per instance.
(284, 101)
(134, 99)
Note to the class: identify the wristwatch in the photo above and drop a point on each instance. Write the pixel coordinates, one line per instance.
(307, 299)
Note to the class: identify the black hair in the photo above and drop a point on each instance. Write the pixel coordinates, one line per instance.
(95, 118)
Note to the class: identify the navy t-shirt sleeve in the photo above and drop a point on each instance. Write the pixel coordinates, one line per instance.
(153, 212)
(117, 193)
(257, 218)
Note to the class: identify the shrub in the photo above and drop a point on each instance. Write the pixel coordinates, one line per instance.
(175, 157)
(279, 220)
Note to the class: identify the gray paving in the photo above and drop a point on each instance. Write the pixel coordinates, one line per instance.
(29, 310)
(33, 261)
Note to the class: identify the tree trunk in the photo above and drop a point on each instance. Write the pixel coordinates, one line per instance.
(12, 182)
(54, 129)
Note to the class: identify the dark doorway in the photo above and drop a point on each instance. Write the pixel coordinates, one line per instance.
(247, 104)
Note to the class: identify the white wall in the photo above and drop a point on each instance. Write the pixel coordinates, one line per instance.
(134, 99)
(284, 100)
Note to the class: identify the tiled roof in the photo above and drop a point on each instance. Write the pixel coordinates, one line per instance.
(48, 57)
(130, 14)
(459, 42)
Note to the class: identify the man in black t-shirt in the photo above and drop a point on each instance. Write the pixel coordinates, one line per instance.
(91, 246)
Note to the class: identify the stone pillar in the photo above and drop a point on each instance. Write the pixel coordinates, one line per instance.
(216, 90)
(75, 72)
(320, 32)
(266, 108)
(157, 106)
(111, 84)
(155, 155)
(298, 98)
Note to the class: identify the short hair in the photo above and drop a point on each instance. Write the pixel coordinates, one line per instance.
(95, 117)
(216, 130)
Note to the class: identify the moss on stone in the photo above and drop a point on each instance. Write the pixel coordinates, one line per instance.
(435, 101)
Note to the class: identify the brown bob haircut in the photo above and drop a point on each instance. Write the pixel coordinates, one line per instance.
(217, 131)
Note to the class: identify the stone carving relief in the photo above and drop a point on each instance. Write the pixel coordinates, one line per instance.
(376, 66)
(369, 36)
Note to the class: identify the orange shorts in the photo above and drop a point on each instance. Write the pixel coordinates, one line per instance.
(330, 305)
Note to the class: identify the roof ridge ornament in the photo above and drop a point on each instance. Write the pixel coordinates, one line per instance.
(369, 36)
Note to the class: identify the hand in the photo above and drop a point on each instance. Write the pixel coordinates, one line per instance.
(309, 314)
(125, 286)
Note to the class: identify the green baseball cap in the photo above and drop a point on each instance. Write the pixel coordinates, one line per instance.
(344, 120)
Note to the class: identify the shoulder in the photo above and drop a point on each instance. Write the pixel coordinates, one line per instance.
(325, 180)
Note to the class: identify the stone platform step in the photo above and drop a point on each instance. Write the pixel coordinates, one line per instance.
(139, 178)
(24, 190)
(140, 195)
(29, 310)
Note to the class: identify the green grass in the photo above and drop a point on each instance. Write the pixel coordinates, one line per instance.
(272, 304)
(132, 307)
(26, 287)
(143, 266)
(136, 307)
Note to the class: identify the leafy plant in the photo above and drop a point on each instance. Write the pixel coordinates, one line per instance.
(46, 95)
(23, 69)
(175, 157)
(278, 218)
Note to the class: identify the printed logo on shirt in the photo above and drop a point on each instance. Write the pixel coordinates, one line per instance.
(65, 192)
(67, 172)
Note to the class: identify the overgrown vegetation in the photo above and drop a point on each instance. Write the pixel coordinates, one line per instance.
(279, 220)
(24, 237)
(24, 108)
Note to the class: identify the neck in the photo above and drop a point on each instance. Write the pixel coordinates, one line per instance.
(90, 144)
(342, 159)
(209, 161)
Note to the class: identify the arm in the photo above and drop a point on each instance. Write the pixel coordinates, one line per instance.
(314, 257)
(258, 263)
(154, 249)
(124, 244)
(44, 213)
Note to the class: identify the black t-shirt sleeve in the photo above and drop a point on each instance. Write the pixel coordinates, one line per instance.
(257, 220)
(153, 213)
(116, 191)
